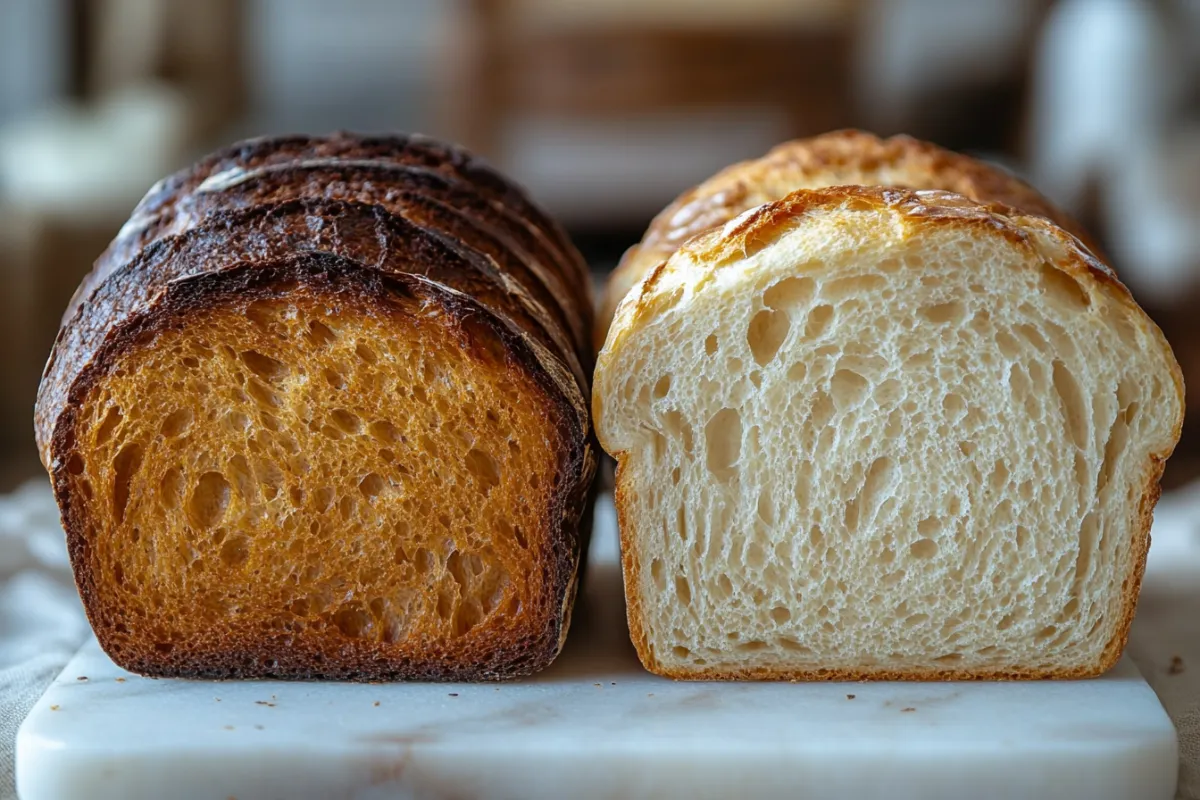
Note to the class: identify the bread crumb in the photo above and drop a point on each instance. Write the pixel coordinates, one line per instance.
(120, 680)
(264, 703)
(82, 678)
(377, 704)
(259, 728)
(650, 695)
(1177, 666)
(849, 697)
(55, 708)
(228, 727)
(598, 685)
(454, 694)
(903, 710)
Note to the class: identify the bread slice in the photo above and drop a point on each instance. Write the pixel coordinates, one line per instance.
(833, 159)
(314, 439)
(872, 433)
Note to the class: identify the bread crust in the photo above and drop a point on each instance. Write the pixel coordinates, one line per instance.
(418, 193)
(413, 150)
(488, 653)
(724, 247)
(847, 157)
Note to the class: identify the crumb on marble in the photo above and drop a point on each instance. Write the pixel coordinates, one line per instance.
(614, 683)
(850, 697)
(259, 727)
(264, 703)
(454, 694)
(598, 685)
(906, 710)
(55, 708)
(650, 695)
(377, 704)
(82, 678)
(1177, 666)
(228, 727)
(119, 680)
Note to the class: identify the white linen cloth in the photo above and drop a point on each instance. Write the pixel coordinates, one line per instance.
(42, 623)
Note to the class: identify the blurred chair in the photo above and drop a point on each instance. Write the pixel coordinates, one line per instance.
(620, 61)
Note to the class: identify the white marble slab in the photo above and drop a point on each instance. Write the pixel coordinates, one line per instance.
(593, 725)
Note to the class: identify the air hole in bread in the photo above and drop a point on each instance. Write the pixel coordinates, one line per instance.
(662, 387)
(112, 418)
(265, 367)
(209, 500)
(949, 312)
(848, 389)
(767, 332)
(819, 320)
(320, 334)
(127, 462)
(177, 423)
(1063, 289)
(723, 442)
(710, 344)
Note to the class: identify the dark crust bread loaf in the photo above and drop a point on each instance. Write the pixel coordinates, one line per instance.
(840, 158)
(379, 238)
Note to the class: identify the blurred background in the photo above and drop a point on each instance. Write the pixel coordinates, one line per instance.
(606, 109)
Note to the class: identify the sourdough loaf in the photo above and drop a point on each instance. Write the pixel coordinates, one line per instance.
(319, 412)
(833, 159)
(865, 432)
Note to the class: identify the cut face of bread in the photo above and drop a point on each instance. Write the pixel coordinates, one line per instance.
(319, 411)
(840, 158)
(867, 433)
(294, 470)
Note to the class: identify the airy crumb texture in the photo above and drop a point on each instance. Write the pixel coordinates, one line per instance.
(869, 433)
(840, 158)
(320, 411)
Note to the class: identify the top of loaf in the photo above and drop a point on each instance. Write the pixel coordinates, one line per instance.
(843, 158)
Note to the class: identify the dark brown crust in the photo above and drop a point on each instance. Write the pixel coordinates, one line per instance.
(261, 233)
(338, 280)
(833, 159)
(722, 248)
(424, 156)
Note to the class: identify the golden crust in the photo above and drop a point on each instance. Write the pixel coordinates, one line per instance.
(723, 247)
(840, 158)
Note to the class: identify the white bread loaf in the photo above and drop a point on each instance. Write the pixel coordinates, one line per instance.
(875, 433)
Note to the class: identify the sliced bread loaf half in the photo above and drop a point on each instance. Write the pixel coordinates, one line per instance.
(314, 438)
(840, 158)
(875, 433)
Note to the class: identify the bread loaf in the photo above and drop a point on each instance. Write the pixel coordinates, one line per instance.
(319, 412)
(866, 432)
(833, 159)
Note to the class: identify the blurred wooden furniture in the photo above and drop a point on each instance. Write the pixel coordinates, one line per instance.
(617, 59)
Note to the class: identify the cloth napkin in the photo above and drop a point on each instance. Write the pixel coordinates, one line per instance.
(42, 622)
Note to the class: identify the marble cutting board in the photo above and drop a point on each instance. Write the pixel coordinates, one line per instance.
(594, 725)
